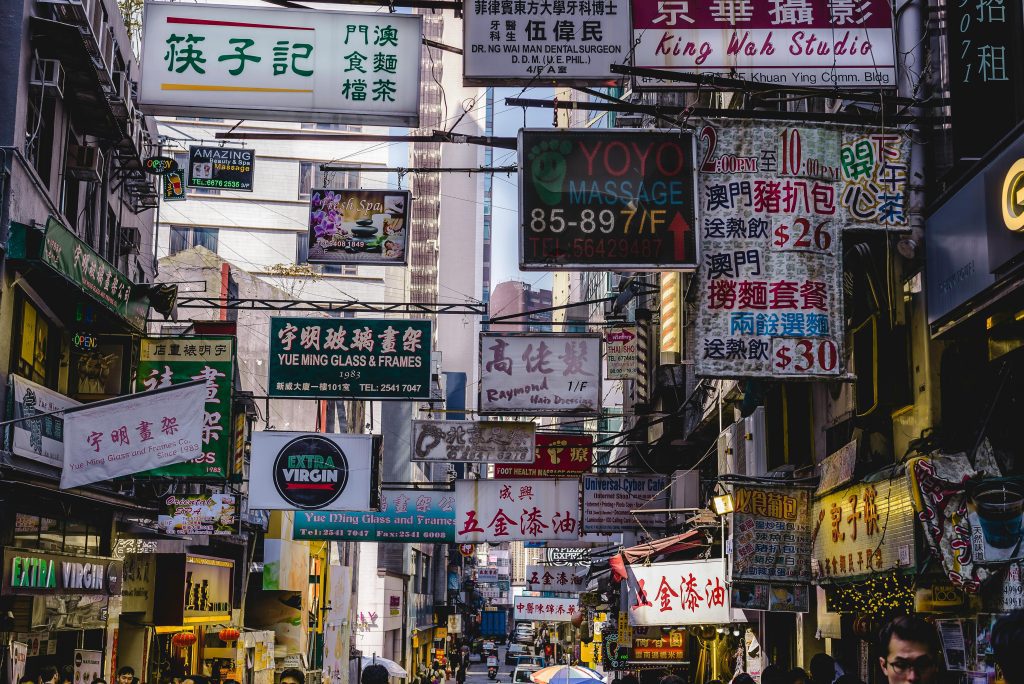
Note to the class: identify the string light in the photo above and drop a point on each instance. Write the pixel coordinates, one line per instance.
(879, 596)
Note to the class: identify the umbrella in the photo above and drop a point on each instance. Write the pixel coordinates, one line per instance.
(566, 674)
(393, 668)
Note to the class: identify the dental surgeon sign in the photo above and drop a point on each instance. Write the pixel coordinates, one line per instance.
(597, 199)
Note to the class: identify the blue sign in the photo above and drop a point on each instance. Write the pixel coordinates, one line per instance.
(406, 516)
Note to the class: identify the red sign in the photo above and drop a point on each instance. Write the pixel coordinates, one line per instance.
(555, 455)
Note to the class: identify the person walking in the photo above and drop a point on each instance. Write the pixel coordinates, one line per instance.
(909, 649)
(1007, 638)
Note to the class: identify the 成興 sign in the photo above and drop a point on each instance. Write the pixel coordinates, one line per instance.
(511, 510)
(358, 226)
(680, 593)
(303, 471)
(281, 65)
(826, 43)
(556, 455)
(590, 199)
(540, 374)
(469, 441)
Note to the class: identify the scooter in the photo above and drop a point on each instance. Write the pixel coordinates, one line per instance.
(492, 672)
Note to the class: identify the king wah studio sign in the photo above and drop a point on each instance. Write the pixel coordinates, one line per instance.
(32, 573)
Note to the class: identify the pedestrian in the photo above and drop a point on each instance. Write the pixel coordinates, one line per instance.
(798, 676)
(773, 674)
(125, 674)
(201, 679)
(460, 674)
(99, 680)
(374, 674)
(823, 669)
(743, 678)
(910, 649)
(49, 675)
(1007, 639)
(847, 678)
(25, 679)
(67, 674)
(671, 679)
(293, 676)
(715, 681)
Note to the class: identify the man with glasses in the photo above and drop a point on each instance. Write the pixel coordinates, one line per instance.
(909, 649)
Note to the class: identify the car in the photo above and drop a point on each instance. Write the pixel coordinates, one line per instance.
(521, 675)
(513, 653)
(526, 660)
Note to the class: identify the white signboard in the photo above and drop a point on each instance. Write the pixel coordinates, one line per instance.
(571, 579)
(269, 63)
(40, 439)
(512, 43)
(487, 575)
(540, 375)
(609, 502)
(470, 441)
(620, 352)
(681, 593)
(516, 510)
(128, 435)
(455, 624)
(88, 665)
(532, 608)
(310, 471)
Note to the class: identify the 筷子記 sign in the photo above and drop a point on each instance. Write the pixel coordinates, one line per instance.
(555, 455)
(358, 226)
(540, 374)
(224, 168)
(511, 510)
(825, 43)
(771, 530)
(354, 358)
(679, 593)
(470, 441)
(609, 502)
(281, 65)
(404, 516)
(166, 361)
(574, 42)
(590, 199)
(775, 200)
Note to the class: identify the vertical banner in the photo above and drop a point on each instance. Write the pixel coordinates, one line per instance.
(771, 529)
(40, 439)
(168, 361)
(620, 353)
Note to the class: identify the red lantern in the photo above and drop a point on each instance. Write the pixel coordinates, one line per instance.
(228, 634)
(183, 639)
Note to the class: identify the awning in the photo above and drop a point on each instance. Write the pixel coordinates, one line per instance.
(680, 542)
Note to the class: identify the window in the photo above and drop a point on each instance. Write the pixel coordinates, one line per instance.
(186, 237)
(310, 176)
(35, 347)
(39, 136)
(302, 256)
(50, 534)
(425, 575)
(347, 128)
(182, 159)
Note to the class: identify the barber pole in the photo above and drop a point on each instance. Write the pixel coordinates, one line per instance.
(670, 313)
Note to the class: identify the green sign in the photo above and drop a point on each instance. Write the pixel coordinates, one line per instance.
(174, 186)
(166, 361)
(78, 262)
(354, 358)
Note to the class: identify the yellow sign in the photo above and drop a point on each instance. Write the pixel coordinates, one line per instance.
(440, 633)
(1012, 198)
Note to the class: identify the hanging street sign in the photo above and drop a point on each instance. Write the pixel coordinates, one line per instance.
(223, 168)
(404, 517)
(159, 166)
(516, 510)
(679, 593)
(556, 455)
(471, 441)
(620, 353)
(358, 226)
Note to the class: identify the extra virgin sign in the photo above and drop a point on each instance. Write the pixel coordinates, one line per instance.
(595, 198)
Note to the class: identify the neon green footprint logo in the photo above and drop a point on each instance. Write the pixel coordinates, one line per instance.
(547, 169)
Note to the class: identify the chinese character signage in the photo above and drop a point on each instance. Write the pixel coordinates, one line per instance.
(281, 65)
(774, 202)
(536, 608)
(568, 42)
(352, 358)
(404, 516)
(310, 471)
(825, 43)
(863, 529)
(621, 353)
(358, 226)
(594, 199)
(198, 514)
(555, 455)
(516, 510)
(79, 263)
(675, 594)
(40, 439)
(167, 361)
(469, 441)
(487, 575)
(224, 168)
(570, 579)
(540, 374)
(124, 436)
(608, 502)
(771, 529)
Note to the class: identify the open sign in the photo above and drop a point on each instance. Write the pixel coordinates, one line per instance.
(158, 166)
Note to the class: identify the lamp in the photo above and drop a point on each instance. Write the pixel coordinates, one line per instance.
(723, 503)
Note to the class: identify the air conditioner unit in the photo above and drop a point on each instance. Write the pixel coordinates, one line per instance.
(47, 77)
(84, 162)
(756, 447)
(731, 456)
(610, 314)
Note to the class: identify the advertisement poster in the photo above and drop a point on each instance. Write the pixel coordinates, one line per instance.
(471, 441)
(571, 579)
(507, 44)
(825, 43)
(606, 199)
(535, 608)
(40, 439)
(354, 358)
(609, 502)
(771, 528)
(621, 353)
(198, 514)
(275, 64)
(540, 374)
(775, 199)
(139, 432)
(164, 362)
(18, 655)
(174, 186)
(516, 510)
(310, 471)
(224, 168)
(837, 468)
(679, 593)
(358, 226)
(88, 665)
(555, 455)
(405, 516)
